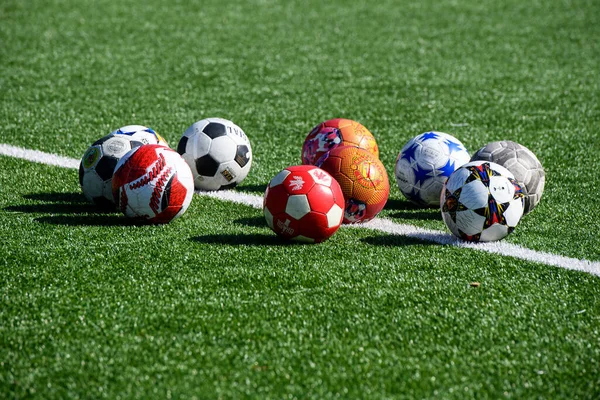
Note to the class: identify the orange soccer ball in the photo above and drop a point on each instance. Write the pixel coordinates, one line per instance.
(363, 180)
(334, 133)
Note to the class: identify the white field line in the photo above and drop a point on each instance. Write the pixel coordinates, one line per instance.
(377, 224)
(38, 156)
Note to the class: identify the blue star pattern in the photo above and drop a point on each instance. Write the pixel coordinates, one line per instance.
(453, 146)
(447, 169)
(409, 153)
(149, 130)
(421, 174)
(429, 135)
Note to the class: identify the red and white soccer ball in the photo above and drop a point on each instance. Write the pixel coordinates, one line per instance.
(304, 203)
(152, 183)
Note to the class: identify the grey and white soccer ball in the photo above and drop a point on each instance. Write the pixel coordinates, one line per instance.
(98, 164)
(524, 165)
(218, 153)
(424, 164)
(481, 201)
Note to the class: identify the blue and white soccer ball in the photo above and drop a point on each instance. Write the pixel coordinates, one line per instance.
(425, 163)
(482, 201)
(141, 134)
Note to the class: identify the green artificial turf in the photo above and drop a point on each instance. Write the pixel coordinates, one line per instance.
(214, 305)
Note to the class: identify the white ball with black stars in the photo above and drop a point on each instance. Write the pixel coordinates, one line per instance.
(218, 153)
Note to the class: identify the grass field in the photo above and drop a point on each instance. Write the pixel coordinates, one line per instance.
(214, 305)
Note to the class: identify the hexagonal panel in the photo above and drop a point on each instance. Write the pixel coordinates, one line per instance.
(276, 199)
(320, 198)
(321, 177)
(297, 206)
(222, 149)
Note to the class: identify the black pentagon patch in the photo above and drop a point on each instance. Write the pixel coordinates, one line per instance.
(103, 203)
(214, 130)
(81, 172)
(106, 167)
(182, 145)
(206, 166)
(229, 186)
(101, 140)
(241, 155)
(135, 143)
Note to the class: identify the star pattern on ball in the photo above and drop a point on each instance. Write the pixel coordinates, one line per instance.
(421, 174)
(453, 146)
(409, 153)
(429, 135)
(447, 169)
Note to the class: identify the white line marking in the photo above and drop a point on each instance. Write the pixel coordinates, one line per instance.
(38, 156)
(378, 224)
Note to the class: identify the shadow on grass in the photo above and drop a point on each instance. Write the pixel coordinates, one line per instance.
(89, 220)
(408, 210)
(258, 222)
(396, 241)
(60, 203)
(71, 209)
(254, 239)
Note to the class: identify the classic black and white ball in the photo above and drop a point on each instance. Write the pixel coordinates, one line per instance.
(524, 165)
(218, 153)
(98, 164)
(481, 202)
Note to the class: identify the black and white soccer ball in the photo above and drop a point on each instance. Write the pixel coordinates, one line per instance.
(218, 153)
(98, 164)
(481, 202)
(524, 165)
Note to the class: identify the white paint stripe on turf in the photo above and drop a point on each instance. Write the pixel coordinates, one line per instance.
(388, 226)
(38, 156)
(378, 224)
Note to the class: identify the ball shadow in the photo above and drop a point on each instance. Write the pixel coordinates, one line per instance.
(409, 210)
(395, 241)
(255, 239)
(89, 220)
(57, 197)
(60, 203)
(258, 222)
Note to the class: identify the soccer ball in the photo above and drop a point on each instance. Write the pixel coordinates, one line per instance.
(152, 183)
(425, 163)
(363, 179)
(218, 153)
(519, 160)
(333, 133)
(304, 203)
(98, 164)
(481, 201)
(142, 134)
